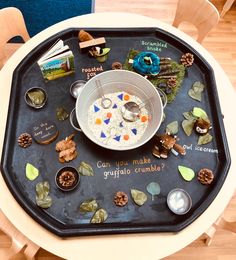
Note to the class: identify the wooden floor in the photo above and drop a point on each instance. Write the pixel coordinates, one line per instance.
(221, 43)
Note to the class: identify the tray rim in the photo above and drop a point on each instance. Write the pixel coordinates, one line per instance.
(64, 231)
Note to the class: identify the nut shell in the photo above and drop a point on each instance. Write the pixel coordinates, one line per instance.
(116, 65)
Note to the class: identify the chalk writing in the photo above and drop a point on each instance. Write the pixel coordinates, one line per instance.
(101, 164)
(91, 71)
(116, 173)
(143, 160)
(154, 46)
(121, 163)
(142, 165)
(205, 149)
(199, 148)
(151, 168)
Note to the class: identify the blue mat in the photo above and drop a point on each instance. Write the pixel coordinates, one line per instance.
(40, 14)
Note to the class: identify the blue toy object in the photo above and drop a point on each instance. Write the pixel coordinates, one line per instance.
(146, 63)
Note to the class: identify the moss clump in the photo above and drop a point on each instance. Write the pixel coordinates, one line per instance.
(155, 80)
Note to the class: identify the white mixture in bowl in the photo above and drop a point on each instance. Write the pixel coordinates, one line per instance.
(108, 125)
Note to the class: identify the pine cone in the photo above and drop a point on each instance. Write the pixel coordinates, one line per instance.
(116, 65)
(67, 179)
(187, 59)
(25, 140)
(205, 176)
(172, 82)
(120, 199)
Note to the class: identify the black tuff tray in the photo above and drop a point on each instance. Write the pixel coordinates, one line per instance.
(114, 171)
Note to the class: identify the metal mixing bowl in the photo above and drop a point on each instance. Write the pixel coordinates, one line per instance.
(115, 81)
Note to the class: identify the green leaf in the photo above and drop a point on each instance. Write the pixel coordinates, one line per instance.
(154, 189)
(102, 58)
(43, 200)
(138, 196)
(42, 189)
(188, 126)
(199, 112)
(189, 115)
(196, 91)
(187, 173)
(104, 52)
(44, 203)
(88, 206)
(172, 128)
(204, 139)
(104, 55)
(198, 86)
(99, 216)
(37, 97)
(163, 117)
(85, 169)
(62, 114)
(31, 172)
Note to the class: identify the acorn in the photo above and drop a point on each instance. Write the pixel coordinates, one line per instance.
(202, 126)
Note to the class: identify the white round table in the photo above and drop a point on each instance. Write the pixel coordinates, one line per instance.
(132, 246)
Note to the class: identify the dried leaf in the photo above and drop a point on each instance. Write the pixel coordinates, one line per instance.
(138, 196)
(43, 200)
(37, 97)
(204, 139)
(45, 203)
(31, 172)
(154, 189)
(199, 112)
(189, 115)
(42, 189)
(187, 173)
(85, 169)
(99, 216)
(172, 128)
(198, 86)
(188, 126)
(62, 114)
(88, 206)
(196, 91)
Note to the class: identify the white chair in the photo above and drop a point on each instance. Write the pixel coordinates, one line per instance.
(21, 246)
(201, 13)
(11, 24)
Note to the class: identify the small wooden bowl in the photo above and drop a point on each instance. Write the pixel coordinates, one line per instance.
(63, 182)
